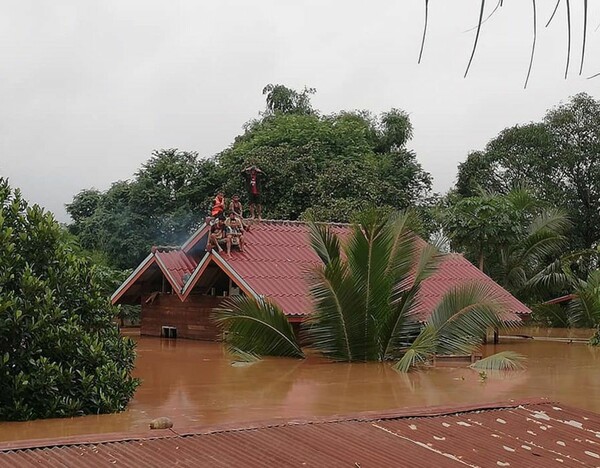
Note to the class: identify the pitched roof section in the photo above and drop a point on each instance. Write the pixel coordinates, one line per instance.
(279, 257)
(514, 434)
(276, 263)
(177, 266)
(455, 270)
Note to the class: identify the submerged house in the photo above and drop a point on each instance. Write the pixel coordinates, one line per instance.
(179, 288)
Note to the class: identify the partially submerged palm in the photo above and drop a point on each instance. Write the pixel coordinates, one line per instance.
(365, 296)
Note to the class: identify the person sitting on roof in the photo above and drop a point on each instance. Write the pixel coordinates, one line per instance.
(218, 207)
(218, 235)
(235, 232)
(236, 207)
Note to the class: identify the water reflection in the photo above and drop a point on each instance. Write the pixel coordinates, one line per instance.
(195, 384)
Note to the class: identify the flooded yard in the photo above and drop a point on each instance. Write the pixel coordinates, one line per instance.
(194, 383)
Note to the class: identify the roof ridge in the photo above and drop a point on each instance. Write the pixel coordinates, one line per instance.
(302, 222)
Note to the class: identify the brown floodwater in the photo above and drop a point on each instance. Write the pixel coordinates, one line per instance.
(194, 383)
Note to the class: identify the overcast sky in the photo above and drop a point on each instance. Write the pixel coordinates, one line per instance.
(89, 88)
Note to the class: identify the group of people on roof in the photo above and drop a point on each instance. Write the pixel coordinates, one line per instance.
(228, 230)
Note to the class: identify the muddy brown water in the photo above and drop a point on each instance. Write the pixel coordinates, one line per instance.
(194, 383)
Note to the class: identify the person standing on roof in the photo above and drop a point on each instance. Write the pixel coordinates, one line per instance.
(218, 207)
(254, 178)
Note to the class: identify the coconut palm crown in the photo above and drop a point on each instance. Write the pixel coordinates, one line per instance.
(366, 306)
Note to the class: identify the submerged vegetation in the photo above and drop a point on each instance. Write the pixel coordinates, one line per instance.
(366, 306)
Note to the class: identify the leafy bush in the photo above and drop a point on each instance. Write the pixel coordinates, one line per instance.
(60, 352)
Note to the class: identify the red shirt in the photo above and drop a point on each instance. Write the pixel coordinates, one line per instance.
(253, 185)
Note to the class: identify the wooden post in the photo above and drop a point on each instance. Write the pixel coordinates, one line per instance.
(496, 336)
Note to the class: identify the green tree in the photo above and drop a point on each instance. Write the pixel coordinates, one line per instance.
(558, 158)
(513, 237)
(288, 101)
(60, 351)
(365, 295)
(168, 197)
(328, 167)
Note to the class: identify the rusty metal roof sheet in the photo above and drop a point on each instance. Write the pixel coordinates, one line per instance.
(514, 434)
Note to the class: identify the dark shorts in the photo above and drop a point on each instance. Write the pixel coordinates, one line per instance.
(255, 198)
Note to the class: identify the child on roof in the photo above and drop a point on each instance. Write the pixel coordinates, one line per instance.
(218, 235)
(235, 232)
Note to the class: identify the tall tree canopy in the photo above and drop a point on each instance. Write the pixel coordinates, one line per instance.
(161, 205)
(60, 352)
(319, 167)
(558, 158)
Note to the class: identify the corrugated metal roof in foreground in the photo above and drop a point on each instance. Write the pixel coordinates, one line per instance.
(534, 433)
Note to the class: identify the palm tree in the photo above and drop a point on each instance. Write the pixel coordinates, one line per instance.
(523, 266)
(366, 305)
(584, 309)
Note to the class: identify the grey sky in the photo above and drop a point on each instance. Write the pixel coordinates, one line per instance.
(90, 88)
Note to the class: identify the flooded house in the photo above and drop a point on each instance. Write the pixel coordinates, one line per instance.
(179, 287)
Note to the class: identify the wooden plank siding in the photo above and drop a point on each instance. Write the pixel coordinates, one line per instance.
(191, 318)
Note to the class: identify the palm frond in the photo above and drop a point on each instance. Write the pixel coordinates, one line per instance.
(481, 10)
(553, 13)
(400, 323)
(502, 361)
(243, 356)
(424, 30)
(584, 309)
(463, 316)
(324, 242)
(568, 37)
(420, 351)
(585, 15)
(368, 256)
(256, 326)
(532, 45)
(336, 326)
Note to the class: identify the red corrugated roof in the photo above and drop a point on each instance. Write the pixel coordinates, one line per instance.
(279, 257)
(533, 433)
(178, 264)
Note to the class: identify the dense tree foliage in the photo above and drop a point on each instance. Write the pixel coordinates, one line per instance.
(317, 167)
(513, 237)
(558, 158)
(165, 200)
(60, 352)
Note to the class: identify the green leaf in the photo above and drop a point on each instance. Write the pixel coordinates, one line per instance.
(504, 360)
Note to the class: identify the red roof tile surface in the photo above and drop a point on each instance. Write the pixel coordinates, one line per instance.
(179, 265)
(527, 434)
(279, 257)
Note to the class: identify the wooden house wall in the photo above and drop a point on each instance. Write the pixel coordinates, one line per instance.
(191, 318)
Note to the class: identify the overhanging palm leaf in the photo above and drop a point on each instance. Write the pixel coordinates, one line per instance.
(504, 360)
(325, 243)
(257, 327)
(420, 351)
(456, 325)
